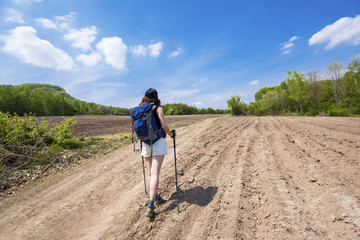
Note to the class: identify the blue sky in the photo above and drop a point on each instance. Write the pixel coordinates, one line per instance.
(194, 52)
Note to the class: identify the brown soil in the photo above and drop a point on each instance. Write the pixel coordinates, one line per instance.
(240, 178)
(91, 125)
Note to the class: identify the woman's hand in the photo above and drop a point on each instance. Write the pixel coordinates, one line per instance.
(173, 133)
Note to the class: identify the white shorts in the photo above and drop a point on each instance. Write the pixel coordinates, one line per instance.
(159, 148)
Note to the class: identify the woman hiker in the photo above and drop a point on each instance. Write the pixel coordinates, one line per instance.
(155, 157)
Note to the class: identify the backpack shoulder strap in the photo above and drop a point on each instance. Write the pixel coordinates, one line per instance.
(154, 108)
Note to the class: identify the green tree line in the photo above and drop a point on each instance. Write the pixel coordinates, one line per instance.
(308, 95)
(49, 100)
(183, 109)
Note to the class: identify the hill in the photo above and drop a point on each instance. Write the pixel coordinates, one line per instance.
(48, 87)
(49, 100)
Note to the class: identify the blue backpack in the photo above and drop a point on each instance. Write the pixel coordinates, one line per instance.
(145, 125)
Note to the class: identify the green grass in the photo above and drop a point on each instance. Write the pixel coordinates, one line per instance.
(182, 125)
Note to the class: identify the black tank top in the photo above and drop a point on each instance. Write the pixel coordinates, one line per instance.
(158, 123)
(157, 119)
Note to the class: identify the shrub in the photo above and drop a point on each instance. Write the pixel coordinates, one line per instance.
(338, 112)
(236, 105)
(71, 144)
(25, 141)
(63, 131)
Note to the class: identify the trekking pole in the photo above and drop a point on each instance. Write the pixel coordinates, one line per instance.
(132, 135)
(142, 158)
(176, 182)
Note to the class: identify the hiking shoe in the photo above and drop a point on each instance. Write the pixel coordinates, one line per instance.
(150, 213)
(157, 203)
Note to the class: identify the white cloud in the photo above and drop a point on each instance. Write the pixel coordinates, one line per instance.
(199, 104)
(59, 22)
(286, 47)
(82, 38)
(66, 18)
(89, 60)
(253, 83)
(293, 38)
(139, 50)
(155, 49)
(23, 43)
(13, 15)
(286, 51)
(345, 30)
(64, 22)
(175, 53)
(46, 23)
(114, 51)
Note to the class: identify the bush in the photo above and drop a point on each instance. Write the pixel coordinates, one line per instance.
(63, 131)
(341, 112)
(23, 130)
(237, 106)
(25, 141)
(32, 147)
(71, 144)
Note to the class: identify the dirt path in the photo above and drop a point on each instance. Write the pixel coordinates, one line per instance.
(240, 178)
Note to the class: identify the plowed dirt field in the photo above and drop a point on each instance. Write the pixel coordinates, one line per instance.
(99, 125)
(239, 178)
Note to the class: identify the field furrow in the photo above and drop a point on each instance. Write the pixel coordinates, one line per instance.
(239, 178)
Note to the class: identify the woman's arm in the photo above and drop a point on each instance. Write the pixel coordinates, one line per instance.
(160, 112)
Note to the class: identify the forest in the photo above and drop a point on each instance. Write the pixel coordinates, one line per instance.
(49, 100)
(52, 100)
(183, 109)
(307, 95)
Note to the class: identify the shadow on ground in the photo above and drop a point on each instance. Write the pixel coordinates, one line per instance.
(196, 195)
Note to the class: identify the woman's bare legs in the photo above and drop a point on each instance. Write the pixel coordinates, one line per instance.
(149, 163)
(154, 165)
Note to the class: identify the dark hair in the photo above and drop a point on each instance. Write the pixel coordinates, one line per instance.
(155, 101)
